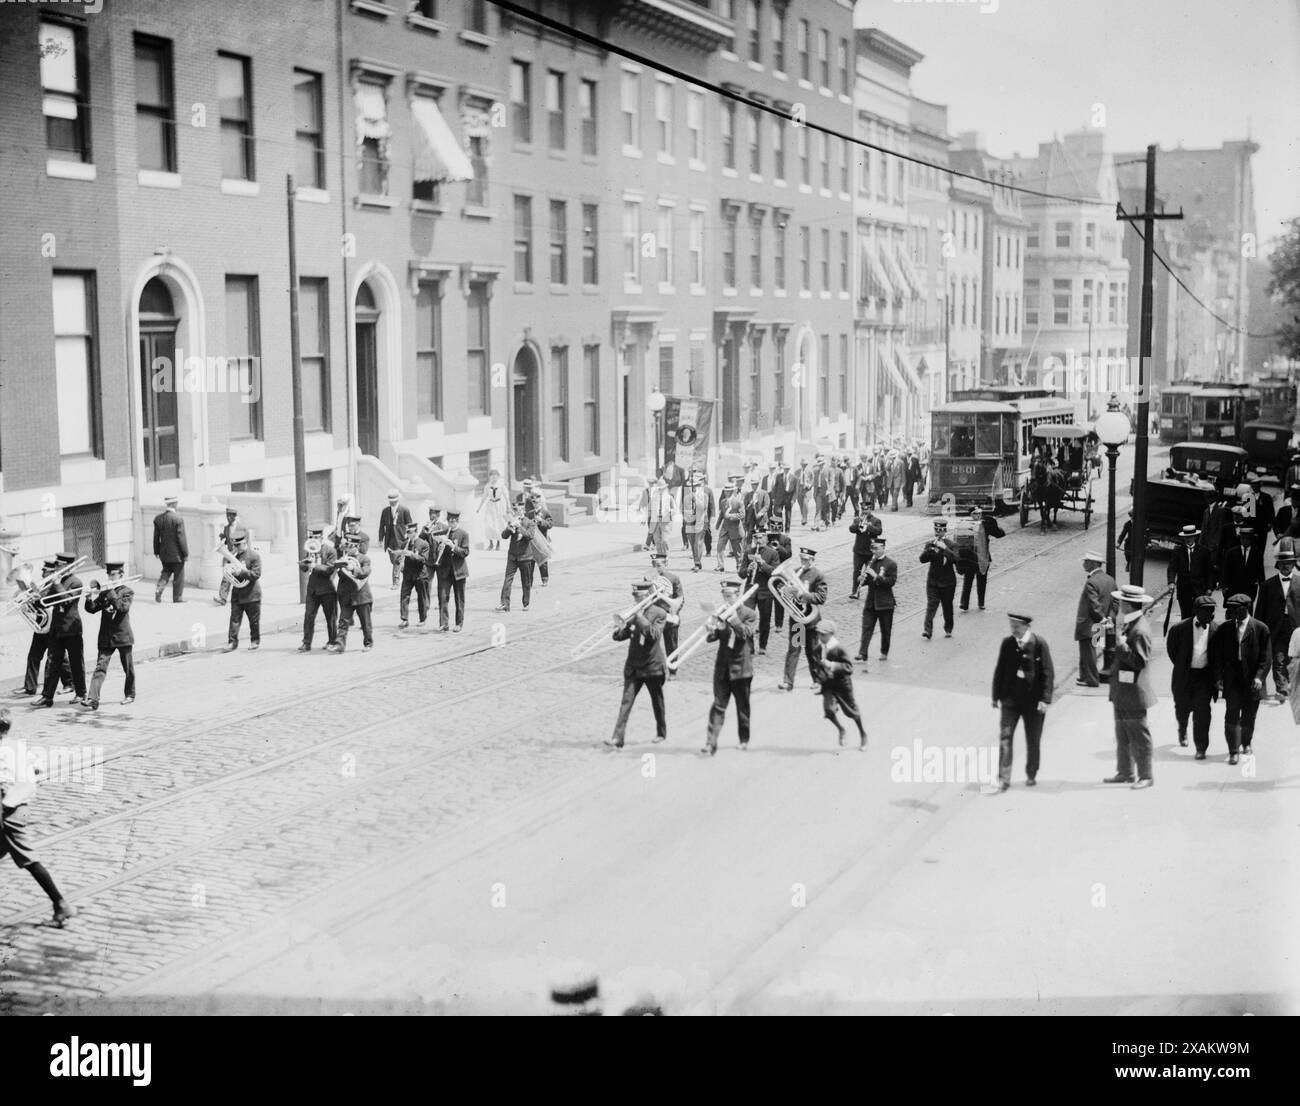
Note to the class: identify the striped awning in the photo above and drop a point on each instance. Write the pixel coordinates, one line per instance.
(875, 280)
(438, 156)
(910, 274)
(890, 256)
(908, 372)
(890, 370)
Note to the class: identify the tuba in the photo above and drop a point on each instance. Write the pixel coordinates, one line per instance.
(788, 590)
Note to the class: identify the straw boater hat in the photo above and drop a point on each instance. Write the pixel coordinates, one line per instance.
(1189, 531)
(1095, 557)
(1133, 593)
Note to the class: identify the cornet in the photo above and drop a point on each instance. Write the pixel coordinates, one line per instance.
(311, 549)
(700, 634)
(784, 581)
(659, 589)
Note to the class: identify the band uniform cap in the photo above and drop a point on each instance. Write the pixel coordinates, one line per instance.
(239, 535)
(411, 526)
(452, 512)
(1093, 555)
(114, 566)
(732, 583)
(392, 494)
(655, 555)
(51, 563)
(941, 524)
(315, 531)
(66, 558)
(1132, 593)
(1027, 619)
(1238, 600)
(807, 552)
(351, 518)
(1203, 603)
(825, 627)
(878, 539)
(774, 535)
(232, 511)
(641, 585)
(1189, 531)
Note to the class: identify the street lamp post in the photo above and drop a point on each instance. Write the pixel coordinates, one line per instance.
(656, 402)
(1113, 429)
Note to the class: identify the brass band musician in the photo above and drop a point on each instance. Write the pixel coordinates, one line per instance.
(646, 663)
(452, 572)
(412, 557)
(245, 591)
(30, 593)
(320, 562)
(733, 668)
(812, 588)
(65, 636)
(676, 600)
(354, 586)
(115, 635)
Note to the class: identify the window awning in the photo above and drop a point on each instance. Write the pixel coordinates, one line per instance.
(438, 156)
(910, 274)
(908, 373)
(875, 281)
(896, 277)
(372, 112)
(890, 370)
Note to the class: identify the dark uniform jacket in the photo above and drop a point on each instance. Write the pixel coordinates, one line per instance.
(415, 567)
(392, 531)
(1242, 574)
(1242, 662)
(521, 538)
(453, 566)
(815, 582)
(735, 638)
(941, 557)
(1095, 603)
(880, 591)
(1180, 643)
(866, 526)
(115, 621)
(65, 620)
(1193, 570)
(1281, 616)
(320, 577)
(768, 559)
(1024, 673)
(351, 592)
(1130, 682)
(249, 568)
(645, 637)
(438, 553)
(169, 544)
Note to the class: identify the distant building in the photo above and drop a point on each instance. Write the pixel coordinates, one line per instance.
(929, 244)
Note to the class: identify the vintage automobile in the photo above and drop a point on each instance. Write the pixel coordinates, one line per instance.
(1268, 445)
(1178, 496)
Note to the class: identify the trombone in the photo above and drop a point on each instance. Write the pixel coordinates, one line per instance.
(58, 598)
(717, 617)
(782, 583)
(659, 589)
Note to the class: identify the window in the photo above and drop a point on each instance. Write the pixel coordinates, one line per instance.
(695, 372)
(824, 376)
(752, 128)
(560, 402)
(843, 148)
(805, 258)
(587, 107)
(76, 364)
(1015, 318)
(1063, 236)
(729, 218)
(631, 101)
(476, 190)
(428, 349)
(843, 59)
(801, 45)
(243, 346)
(1090, 236)
(1031, 303)
(975, 303)
(664, 245)
(952, 303)
(778, 38)
(664, 116)
(1061, 302)
(371, 101)
(900, 189)
(778, 252)
(1087, 302)
(975, 232)
(1031, 238)
(313, 347)
(476, 16)
(235, 96)
(426, 8)
(697, 248)
(477, 331)
(524, 239)
(666, 367)
(559, 239)
(826, 160)
(755, 379)
(555, 121)
(308, 141)
(1017, 253)
(695, 124)
(1112, 303)
(997, 247)
(778, 149)
(805, 163)
(964, 289)
(729, 134)
(1123, 304)
(83, 531)
(965, 228)
(778, 379)
(632, 242)
(155, 119)
(64, 90)
(590, 234)
(751, 26)
(756, 249)
(997, 313)
(826, 260)
(591, 398)
(844, 374)
(521, 110)
(824, 56)
(844, 261)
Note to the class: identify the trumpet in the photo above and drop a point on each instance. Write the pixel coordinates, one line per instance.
(700, 634)
(659, 589)
(311, 549)
(788, 590)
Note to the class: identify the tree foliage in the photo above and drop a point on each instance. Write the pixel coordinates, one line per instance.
(1285, 284)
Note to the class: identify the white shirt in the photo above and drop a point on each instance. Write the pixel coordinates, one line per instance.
(1200, 645)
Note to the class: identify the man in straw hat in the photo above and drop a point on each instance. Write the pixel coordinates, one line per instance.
(1094, 606)
(1131, 692)
(1022, 689)
(1279, 610)
(1191, 570)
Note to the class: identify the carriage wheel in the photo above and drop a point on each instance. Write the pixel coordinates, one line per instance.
(1024, 507)
(1087, 510)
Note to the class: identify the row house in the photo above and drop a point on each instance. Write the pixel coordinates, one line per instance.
(892, 398)
(930, 244)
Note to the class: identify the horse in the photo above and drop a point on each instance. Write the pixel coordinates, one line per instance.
(1047, 489)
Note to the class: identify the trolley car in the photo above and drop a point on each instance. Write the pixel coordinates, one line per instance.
(1175, 410)
(1277, 399)
(1219, 414)
(980, 449)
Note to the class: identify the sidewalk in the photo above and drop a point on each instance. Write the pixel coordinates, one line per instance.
(199, 625)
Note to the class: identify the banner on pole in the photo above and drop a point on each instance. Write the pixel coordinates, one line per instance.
(688, 428)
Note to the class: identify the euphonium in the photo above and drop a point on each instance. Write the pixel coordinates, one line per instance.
(782, 583)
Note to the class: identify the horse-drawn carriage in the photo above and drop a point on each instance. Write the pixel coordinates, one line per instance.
(1060, 474)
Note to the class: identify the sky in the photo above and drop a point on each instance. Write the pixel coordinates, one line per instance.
(1195, 72)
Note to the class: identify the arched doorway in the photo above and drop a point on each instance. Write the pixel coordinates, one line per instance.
(160, 380)
(527, 437)
(366, 314)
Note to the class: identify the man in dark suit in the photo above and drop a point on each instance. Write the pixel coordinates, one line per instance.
(764, 560)
(414, 558)
(245, 592)
(393, 521)
(913, 479)
(866, 528)
(1023, 680)
(801, 634)
(65, 638)
(782, 492)
(322, 595)
(676, 599)
(1242, 655)
(1191, 570)
(41, 644)
(733, 666)
(1095, 605)
(645, 665)
(880, 574)
(171, 548)
(1242, 571)
(974, 564)
(354, 587)
(1131, 692)
(1193, 679)
(833, 672)
(453, 572)
(115, 636)
(520, 559)
(940, 580)
(1279, 609)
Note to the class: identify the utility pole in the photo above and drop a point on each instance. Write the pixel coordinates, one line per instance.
(1148, 219)
(295, 368)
